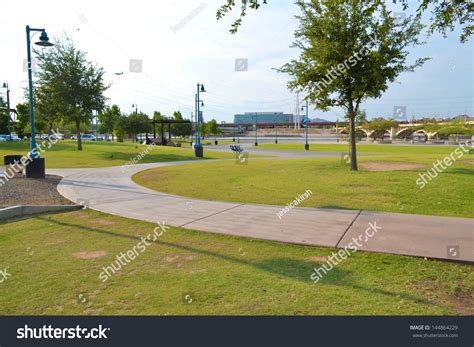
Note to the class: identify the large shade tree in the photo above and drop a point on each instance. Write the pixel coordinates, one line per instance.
(71, 82)
(444, 14)
(349, 52)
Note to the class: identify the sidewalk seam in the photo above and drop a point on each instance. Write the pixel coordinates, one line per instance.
(211, 215)
(350, 225)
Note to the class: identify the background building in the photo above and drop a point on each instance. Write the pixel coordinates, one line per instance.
(263, 118)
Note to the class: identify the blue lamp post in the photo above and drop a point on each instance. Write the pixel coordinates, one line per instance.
(198, 149)
(36, 168)
(306, 146)
(5, 85)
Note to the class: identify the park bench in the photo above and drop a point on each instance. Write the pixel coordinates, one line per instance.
(236, 149)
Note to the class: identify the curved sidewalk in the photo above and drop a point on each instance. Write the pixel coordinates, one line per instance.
(111, 190)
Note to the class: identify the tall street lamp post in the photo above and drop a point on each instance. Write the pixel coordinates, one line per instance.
(5, 85)
(198, 149)
(36, 167)
(306, 146)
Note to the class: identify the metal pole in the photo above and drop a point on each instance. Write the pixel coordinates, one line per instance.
(256, 120)
(306, 146)
(276, 131)
(30, 86)
(8, 114)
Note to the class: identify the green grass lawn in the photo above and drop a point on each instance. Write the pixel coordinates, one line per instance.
(333, 185)
(221, 274)
(64, 154)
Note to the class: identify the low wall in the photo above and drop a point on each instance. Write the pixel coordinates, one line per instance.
(26, 210)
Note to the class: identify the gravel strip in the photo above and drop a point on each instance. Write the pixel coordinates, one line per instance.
(29, 191)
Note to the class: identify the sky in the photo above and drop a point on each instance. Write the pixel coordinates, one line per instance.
(180, 43)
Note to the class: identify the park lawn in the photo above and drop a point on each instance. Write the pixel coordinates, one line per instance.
(186, 272)
(64, 154)
(278, 182)
(408, 153)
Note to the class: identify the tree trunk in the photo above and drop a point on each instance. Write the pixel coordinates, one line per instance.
(352, 142)
(78, 133)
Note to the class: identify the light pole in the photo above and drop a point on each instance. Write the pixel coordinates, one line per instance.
(337, 130)
(238, 130)
(276, 131)
(256, 119)
(5, 85)
(198, 149)
(306, 146)
(36, 167)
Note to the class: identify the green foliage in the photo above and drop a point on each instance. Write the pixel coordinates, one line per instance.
(74, 85)
(22, 126)
(181, 130)
(245, 4)
(380, 126)
(350, 52)
(446, 14)
(107, 118)
(3, 116)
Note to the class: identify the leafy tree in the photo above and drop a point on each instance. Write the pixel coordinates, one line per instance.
(380, 126)
(107, 119)
(445, 14)
(245, 4)
(75, 85)
(350, 52)
(22, 125)
(137, 123)
(121, 127)
(180, 129)
(3, 116)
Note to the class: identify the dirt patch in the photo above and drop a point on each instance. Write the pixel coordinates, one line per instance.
(104, 222)
(461, 302)
(29, 191)
(318, 259)
(389, 166)
(90, 255)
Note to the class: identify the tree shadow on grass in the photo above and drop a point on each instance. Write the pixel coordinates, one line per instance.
(461, 171)
(285, 267)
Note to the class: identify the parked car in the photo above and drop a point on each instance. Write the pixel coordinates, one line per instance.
(9, 138)
(88, 137)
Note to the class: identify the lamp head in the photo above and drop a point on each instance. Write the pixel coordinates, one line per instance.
(44, 40)
(202, 103)
(202, 88)
(5, 85)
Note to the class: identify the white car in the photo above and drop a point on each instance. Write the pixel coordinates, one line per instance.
(88, 137)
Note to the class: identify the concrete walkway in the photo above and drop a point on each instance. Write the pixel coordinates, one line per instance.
(111, 190)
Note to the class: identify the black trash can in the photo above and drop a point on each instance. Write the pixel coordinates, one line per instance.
(36, 168)
(12, 159)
